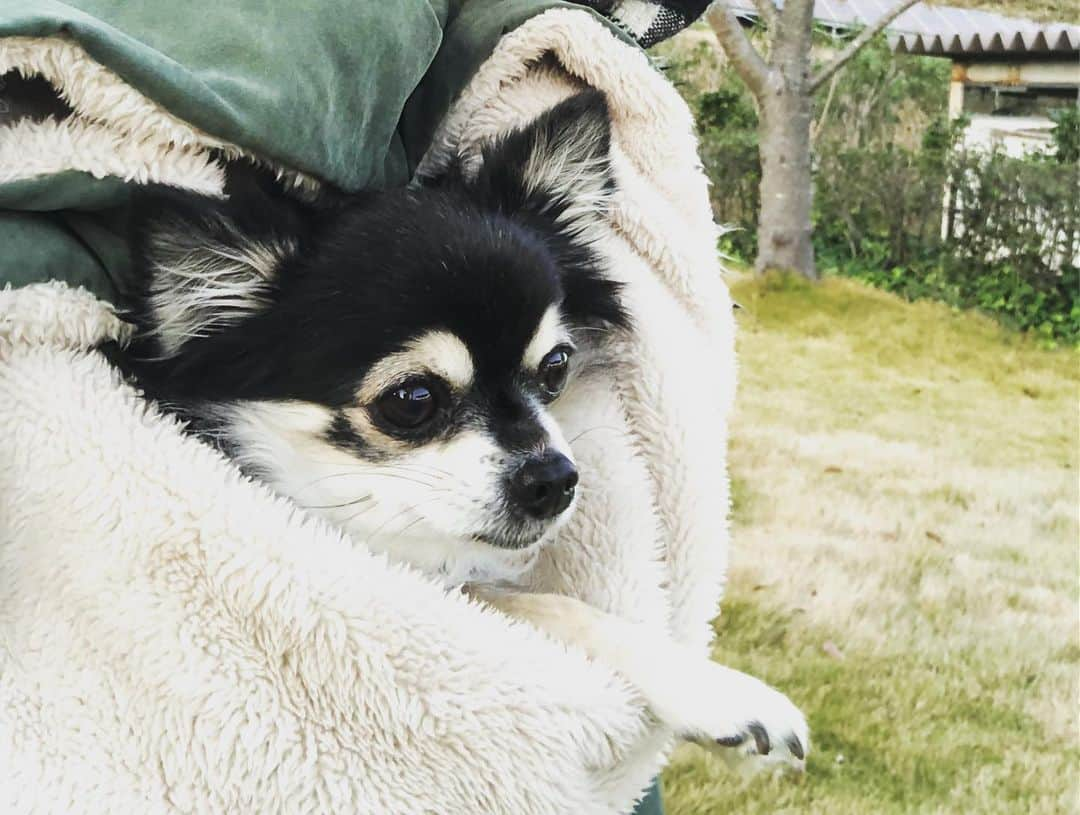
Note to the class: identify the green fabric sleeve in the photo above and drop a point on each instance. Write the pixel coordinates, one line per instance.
(37, 246)
(317, 86)
(348, 91)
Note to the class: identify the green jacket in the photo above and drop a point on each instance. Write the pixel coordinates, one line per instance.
(345, 90)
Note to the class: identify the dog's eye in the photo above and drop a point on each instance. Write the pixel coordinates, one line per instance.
(553, 370)
(408, 405)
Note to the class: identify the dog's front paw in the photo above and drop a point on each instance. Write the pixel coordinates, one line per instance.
(776, 732)
(736, 715)
(755, 721)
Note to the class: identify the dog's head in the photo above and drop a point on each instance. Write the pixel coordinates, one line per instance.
(389, 361)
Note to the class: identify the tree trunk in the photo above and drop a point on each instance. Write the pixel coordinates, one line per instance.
(786, 110)
(786, 186)
(783, 88)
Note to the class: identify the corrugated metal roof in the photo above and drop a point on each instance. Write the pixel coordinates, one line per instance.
(944, 30)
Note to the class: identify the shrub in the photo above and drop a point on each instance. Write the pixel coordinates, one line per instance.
(728, 131)
(1066, 134)
(897, 202)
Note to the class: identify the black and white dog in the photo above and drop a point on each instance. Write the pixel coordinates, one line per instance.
(387, 361)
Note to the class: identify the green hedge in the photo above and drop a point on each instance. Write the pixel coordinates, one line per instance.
(897, 203)
(976, 230)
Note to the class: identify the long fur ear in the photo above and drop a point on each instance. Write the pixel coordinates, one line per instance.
(558, 166)
(206, 264)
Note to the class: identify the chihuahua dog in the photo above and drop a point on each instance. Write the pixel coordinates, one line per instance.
(387, 361)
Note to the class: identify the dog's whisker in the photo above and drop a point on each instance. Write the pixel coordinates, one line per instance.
(355, 474)
(361, 500)
(374, 535)
(384, 473)
(432, 468)
(618, 430)
(410, 525)
(325, 478)
(345, 521)
(435, 478)
(371, 506)
(400, 478)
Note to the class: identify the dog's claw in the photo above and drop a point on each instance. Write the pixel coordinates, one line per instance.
(761, 738)
(772, 733)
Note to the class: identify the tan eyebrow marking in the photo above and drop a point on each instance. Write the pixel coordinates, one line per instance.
(550, 331)
(437, 352)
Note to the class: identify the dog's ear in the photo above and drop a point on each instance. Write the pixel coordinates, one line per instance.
(204, 263)
(558, 166)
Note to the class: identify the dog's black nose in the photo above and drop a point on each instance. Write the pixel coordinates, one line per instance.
(544, 486)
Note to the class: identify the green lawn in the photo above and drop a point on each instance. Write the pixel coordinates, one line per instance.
(905, 557)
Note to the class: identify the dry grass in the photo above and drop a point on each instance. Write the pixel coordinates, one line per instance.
(905, 557)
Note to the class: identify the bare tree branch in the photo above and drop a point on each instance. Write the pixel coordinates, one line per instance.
(815, 127)
(853, 47)
(767, 13)
(744, 58)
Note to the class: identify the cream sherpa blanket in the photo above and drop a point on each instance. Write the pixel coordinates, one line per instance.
(175, 638)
